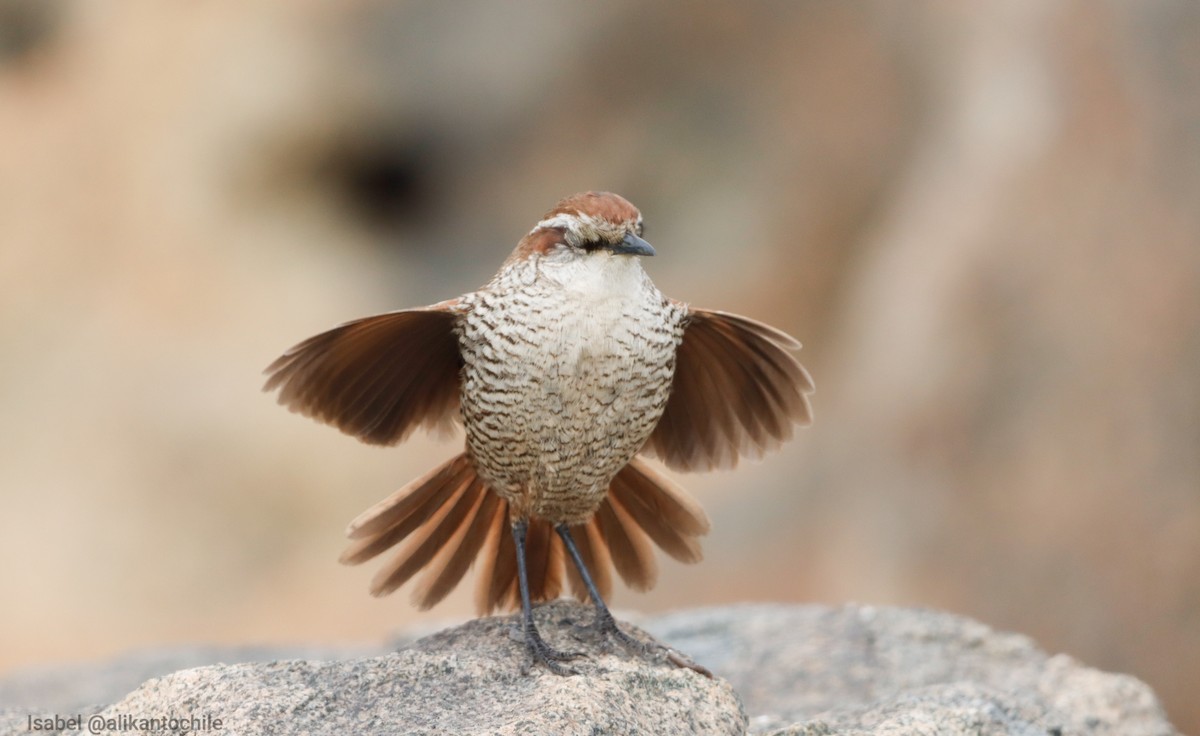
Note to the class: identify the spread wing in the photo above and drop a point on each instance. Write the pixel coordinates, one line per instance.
(376, 378)
(737, 391)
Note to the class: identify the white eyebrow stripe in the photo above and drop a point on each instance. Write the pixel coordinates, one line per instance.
(566, 220)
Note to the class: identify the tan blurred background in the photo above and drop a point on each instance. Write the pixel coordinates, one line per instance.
(983, 219)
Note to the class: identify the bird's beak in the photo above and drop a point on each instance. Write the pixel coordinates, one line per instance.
(632, 245)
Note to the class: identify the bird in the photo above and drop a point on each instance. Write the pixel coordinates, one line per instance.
(567, 371)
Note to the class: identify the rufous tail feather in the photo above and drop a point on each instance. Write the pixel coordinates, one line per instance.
(448, 520)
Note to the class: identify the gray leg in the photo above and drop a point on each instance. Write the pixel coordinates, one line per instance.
(538, 648)
(605, 624)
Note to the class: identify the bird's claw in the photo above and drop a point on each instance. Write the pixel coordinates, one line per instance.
(540, 651)
(606, 629)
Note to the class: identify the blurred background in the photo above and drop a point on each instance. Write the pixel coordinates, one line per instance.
(982, 219)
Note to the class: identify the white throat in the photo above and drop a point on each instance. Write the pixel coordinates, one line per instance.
(597, 277)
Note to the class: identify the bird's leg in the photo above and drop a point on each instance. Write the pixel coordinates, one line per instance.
(606, 625)
(538, 648)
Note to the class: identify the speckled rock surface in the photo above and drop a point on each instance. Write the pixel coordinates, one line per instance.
(866, 670)
(803, 670)
(464, 680)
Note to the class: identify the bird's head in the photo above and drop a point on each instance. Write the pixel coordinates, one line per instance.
(591, 224)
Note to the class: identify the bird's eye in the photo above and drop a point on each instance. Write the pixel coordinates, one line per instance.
(640, 229)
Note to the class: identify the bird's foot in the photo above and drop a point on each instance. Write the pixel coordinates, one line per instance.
(606, 629)
(540, 651)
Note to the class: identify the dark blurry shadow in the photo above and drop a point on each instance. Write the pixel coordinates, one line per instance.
(386, 181)
(26, 27)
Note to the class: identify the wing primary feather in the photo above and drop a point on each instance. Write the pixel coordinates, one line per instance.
(735, 396)
(376, 378)
(764, 330)
(737, 392)
(754, 384)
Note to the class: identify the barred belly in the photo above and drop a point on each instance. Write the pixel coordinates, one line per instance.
(561, 388)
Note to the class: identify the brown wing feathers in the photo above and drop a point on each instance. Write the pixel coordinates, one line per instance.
(737, 391)
(692, 430)
(376, 378)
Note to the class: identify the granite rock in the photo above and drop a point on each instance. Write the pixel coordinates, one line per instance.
(802, 670)
(874, 670)
(470, 679)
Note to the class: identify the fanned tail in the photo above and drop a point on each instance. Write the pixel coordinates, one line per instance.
(448, 519)
(442, 519)
(642, 507)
